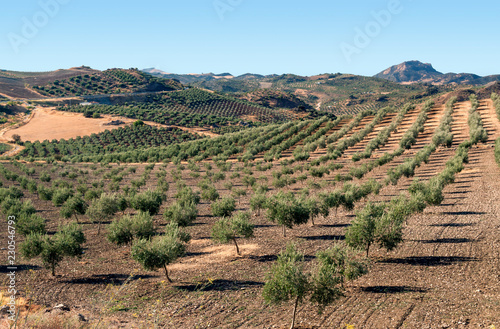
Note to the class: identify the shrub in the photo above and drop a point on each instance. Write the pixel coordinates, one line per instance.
(185, 195)
(209, 193)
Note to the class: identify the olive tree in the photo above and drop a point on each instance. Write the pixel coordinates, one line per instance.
(258, 202)
(362, 232)
(223, 207)
(148, 201)
(286, 210)
(226, 230)
(161, 251)
(73, 206)
(52, 249)
(128, 228)
(287, 280)
(103, 209)
(182, 213)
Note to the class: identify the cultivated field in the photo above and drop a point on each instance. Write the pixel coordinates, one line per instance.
(444, 273)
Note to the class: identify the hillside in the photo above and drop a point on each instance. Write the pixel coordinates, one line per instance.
(336, 93)
(79, 81)
(423, 175)
(418, 72)
(112, 81)
(194, 108)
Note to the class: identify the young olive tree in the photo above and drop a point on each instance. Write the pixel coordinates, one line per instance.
(161, 251)
(182, 213)
(223, 207)
(362, 232)
(128, 228)
(258, 202)
(148, 201)
(288, 281)
(226, 230)
(73, 206)
(103, 209)
(52, 249)
(287, 211)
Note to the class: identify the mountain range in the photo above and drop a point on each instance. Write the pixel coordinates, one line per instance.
(418, 72)
(405, 73)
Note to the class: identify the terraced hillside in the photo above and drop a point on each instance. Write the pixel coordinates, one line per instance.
(112, 81)
(414, 189)
(196, 107)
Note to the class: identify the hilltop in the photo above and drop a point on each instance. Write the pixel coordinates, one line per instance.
(80, 81)
(417, 72)
(336, 93)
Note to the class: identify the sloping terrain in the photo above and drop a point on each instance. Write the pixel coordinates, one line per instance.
(444, 274)
(418, 72)
(79, 81)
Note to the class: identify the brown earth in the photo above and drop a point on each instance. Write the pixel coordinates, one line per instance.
(446, 274)
(49, 124)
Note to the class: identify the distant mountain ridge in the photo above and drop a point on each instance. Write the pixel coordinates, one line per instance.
(203, 77)
(418, 72)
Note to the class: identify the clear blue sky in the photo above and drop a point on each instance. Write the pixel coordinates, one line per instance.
(258, 36)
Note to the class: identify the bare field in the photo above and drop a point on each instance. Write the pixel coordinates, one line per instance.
(50, 124)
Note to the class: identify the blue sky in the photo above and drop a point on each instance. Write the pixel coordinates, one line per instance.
(258, 36)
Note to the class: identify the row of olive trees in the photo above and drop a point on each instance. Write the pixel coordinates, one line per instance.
(476, 130)
(496, 103)
(383, 136)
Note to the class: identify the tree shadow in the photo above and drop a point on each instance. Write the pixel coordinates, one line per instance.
(220, 285)
(429, 260)
(273, 258)
(393, 289)
(452, 240)
(324, 237)
(453, 225)
(19, 268)
(108, 279)
(460, 213)
(334, 225)
(264, 226)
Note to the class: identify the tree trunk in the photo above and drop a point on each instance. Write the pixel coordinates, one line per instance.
(284, 231)
(166, 273)
(237, 249)
(53, 268)
(76, 217)
(312, 220)
(99, 228)
(367, 249)
(294, 312)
